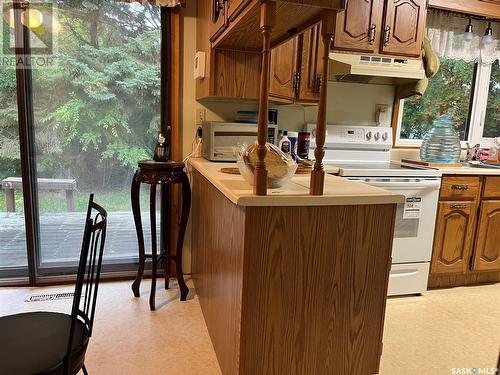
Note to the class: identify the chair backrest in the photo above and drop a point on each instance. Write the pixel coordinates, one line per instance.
(89, 271)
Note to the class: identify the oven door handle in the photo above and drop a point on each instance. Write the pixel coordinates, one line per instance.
(405, 185)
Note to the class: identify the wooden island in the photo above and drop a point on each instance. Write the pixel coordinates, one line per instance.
(291, 283)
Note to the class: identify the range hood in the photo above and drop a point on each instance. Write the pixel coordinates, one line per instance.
(374, 69)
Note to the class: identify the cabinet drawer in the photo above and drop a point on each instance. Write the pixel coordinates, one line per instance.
(492, 187)
(460, 188)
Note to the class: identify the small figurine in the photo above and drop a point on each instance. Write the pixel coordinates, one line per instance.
(161, 149)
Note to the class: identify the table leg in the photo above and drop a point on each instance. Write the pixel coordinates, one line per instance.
(10, 202)
(70, 203)
(186, 206)
(165, 221)
(154, 259)
(136, 210)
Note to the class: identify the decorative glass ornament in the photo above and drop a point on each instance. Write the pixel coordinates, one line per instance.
(441, 144)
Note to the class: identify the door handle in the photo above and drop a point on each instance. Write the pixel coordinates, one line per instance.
(458, 206)
(387, 35)
(460, 187)
(371, 33)
(317, 86)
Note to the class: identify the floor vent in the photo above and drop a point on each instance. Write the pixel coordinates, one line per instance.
(49, 297)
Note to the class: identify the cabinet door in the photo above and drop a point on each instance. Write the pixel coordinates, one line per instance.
(283, 63)
(311, 52)
(404, 27)
(453, 237)
(234, 8)
(218, 19)
(358, 27)
(487, 251)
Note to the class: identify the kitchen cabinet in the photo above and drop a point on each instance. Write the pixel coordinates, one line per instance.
(283, 70)
(311, 50)
(467, 234)
(296, 68)
(234, 8)
(404, 25)
(358, 27)
(454, 236)
(487, 251)
(369, 27)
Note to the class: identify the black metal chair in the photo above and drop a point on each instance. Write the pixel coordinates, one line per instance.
(55, 343)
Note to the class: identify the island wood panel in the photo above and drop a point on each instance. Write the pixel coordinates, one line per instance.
(217, 267)
(315, 289)
(292, 17)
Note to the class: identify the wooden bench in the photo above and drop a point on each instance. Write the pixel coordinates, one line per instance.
(12, 183)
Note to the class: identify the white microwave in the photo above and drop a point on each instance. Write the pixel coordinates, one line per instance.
(219, 139)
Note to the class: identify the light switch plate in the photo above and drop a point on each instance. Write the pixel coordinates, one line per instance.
(199, 65)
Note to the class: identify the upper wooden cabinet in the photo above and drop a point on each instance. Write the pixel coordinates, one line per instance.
(358, 27)
(296, 68)
(484, 8)
(404, 26)
(234, 8)
(283, 70)
(396, 29)
(310, 72)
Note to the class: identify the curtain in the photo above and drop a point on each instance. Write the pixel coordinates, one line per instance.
(446, 33)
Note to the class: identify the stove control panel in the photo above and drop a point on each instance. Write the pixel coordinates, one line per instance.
(362, 136)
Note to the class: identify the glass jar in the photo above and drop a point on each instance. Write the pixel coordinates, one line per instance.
(441, 144)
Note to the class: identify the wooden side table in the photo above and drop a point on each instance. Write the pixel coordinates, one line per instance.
(165, 174)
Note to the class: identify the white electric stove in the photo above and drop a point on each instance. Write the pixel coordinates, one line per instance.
(363, 153)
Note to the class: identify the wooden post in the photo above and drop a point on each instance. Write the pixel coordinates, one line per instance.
(318, 174)
(10, 201)
(267, 13)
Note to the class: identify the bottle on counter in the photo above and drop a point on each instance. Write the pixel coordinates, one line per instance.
(293, 137)
(493, 154)
(285, 143)
(303, 145)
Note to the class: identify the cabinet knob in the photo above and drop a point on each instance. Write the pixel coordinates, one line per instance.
(371, 33)
(387, 35)
(458, 206)
(317, 86)
(460, 187)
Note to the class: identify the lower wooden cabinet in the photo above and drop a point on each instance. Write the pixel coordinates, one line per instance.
(467, 233)
(487, 251)
(454, 237)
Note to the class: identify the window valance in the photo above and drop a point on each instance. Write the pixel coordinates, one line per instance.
(446, 31)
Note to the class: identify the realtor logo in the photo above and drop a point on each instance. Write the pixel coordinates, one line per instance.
(26, 24)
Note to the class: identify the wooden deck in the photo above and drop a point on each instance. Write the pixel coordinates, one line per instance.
(61, 236)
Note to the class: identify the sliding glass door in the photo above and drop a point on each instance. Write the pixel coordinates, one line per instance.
(13, 256)
(93, 102)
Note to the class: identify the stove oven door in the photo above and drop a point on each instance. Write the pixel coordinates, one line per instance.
(413, 233)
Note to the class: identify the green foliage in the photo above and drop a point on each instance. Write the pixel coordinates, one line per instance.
(449, 92)
(97, 110)
(492, 119)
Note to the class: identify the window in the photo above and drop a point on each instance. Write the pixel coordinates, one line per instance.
(492, 119)
(469, 92)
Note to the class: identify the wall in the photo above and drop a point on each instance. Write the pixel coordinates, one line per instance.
(348, 103)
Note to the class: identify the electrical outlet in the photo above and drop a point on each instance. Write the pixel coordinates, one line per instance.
(201, 115)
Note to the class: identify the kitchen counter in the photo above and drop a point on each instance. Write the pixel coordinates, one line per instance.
(337, 191)
(277, 276)
(471, 171)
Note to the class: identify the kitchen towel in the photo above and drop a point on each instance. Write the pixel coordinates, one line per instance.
(431, 67)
